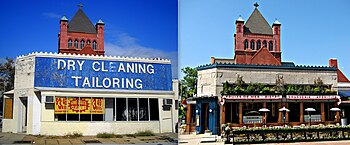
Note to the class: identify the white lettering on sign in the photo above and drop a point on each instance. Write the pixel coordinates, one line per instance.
(107, 82)
(108, 67)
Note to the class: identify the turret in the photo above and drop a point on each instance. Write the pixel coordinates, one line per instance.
(276, 28)
(239, 34)
(100, 36)
(62, 38)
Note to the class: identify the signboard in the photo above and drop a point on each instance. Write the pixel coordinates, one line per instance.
(76, 105)
(101, 74)
(253, 97)
(308, 97)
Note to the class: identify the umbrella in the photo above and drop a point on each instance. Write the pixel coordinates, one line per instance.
(310, 109)
(264, 110)
(284, 109)
(335, 109)
(252, 112)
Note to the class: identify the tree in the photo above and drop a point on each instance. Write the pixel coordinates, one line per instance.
(188, 86)
(7, 77)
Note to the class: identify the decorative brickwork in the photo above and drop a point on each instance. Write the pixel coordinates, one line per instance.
(80, 33)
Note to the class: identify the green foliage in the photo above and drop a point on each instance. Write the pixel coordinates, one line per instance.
(187, 86)
(74, 135)
(265, 90)
(105, 135)
(239, 88)
(7, 74)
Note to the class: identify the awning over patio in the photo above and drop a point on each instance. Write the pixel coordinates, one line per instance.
(312, 97)
(253, 97)
(344, 93)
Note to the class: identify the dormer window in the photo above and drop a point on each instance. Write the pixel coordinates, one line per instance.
(252, 45)
(270, 46)
(94, 45)
(82, 44)
(69, 43)
(258, 45)
(76, 43)
(245, 44)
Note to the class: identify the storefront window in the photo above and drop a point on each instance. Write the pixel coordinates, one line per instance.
(154, 111)
(121, 109)
(105, 109)
(132, 109)
(143, 109)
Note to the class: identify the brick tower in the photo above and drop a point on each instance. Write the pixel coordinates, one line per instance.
(256, 42)
(80, 36)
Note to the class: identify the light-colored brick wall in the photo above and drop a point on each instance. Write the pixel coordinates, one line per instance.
(210, 80)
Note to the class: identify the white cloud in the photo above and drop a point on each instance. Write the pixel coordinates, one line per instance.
(52, 15)
(125, 45)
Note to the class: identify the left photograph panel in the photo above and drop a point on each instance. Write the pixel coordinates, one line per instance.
(89, 72)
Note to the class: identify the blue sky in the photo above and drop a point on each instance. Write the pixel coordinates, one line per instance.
(312, 32)
(136, 28)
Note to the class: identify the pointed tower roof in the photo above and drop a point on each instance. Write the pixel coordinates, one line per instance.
(257, 24)
(81, 23)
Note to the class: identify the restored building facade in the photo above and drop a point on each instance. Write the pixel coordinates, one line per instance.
(235, 90)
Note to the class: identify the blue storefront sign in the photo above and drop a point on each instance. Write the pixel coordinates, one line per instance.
(101, 74)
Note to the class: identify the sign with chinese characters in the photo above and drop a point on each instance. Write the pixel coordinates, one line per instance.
(76, 105)
(60, 105)
(101, 74)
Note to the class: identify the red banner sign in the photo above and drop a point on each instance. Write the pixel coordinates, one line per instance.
(308, 97)
(253, 97)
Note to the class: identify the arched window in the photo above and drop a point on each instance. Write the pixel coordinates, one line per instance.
(245, 44)
(76, 43)
(88, 42)
(69, 43)
(82, 44)
(265, 43)
(258, 45)
(94, 46)
(252, 45)
(270, 46)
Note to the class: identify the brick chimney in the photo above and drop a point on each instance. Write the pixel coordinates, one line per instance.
(333, 62)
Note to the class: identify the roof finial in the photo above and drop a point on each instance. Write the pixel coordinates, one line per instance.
(80, 5)
(256, 5)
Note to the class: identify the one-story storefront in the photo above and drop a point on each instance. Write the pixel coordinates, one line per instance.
(56, 94)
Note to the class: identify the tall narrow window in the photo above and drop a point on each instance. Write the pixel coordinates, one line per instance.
(132, 109)
(69, 43)
(121, 109)
(258, 45)
(109, 109)
(143, 109)
(76, 43)
(153, 109)
(245, 44)
(94, 46)
(88, 42)
(252, 45)
(82, 44)
(265, 43)
(270, 46)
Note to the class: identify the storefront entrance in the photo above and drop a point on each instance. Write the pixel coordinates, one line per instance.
(22, 107)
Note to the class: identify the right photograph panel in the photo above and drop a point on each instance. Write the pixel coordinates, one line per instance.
(263, 72)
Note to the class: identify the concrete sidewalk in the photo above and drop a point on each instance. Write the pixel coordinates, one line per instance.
(10, 138)
(192, 139)
(195, 140)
